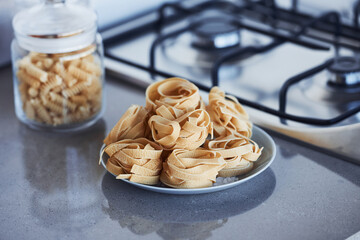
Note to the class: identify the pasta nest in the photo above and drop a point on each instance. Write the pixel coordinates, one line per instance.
(133, 124)
(228, 116)
(191, 169)
(177, 94)
(238, 153)
(138, 160)
(186, 132)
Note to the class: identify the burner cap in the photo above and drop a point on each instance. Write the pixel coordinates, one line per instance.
(215, 34)
(344, 72)
(345, 65)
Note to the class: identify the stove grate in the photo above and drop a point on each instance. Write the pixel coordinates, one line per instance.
(329, 22)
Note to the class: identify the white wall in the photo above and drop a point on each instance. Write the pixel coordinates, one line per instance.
(108, 11)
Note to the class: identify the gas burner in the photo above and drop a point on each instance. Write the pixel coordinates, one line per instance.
(319, 89)
(199, 58)
(344, 72)
(215, 33)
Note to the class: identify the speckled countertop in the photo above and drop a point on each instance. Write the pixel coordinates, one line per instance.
(52, 188)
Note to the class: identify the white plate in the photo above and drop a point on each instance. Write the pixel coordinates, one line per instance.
(266, 158)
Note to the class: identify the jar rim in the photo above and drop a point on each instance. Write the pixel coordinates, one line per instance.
(49, 28)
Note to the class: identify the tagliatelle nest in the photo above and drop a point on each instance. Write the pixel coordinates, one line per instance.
(228, 116)
(130, 126)
(177, 94)
(191, 169)
(175, 120)
(239, 154)
(135, 159)
(186, 132)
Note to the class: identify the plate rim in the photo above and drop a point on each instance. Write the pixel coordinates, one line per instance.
(207, 189)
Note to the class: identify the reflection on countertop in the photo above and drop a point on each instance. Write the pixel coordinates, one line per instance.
(62, 170)
(330, 163)
(181, 216)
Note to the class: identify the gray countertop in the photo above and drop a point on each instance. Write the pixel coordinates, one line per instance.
(53, 188)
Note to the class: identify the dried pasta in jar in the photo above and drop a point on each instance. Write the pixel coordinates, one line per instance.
(56, 91)
(55, 61)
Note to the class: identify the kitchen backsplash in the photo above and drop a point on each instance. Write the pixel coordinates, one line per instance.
(109, 11)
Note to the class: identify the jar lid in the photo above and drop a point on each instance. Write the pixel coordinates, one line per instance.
(55, 27)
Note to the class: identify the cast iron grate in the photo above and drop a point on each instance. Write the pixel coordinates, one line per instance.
(269, 13)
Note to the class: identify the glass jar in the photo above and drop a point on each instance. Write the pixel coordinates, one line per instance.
(58, 69)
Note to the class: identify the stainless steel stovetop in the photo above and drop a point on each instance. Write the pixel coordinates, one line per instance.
(257, 48)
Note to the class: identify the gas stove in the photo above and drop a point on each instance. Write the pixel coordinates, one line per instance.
(295, 68)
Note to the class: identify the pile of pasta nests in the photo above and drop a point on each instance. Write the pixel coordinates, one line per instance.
(179, 141)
